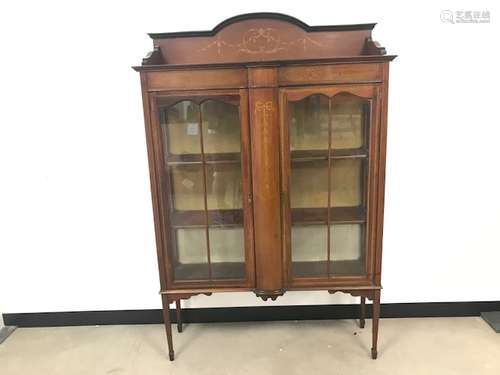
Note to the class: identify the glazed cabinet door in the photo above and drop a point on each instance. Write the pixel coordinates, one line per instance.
(205, 182)
(327, 153)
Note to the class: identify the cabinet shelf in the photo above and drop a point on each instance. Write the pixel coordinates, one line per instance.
(338, 215)
(229, 218)
(337, 268)
(306, 155)
(227, 157)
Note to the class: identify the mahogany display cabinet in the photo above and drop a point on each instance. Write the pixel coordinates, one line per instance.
(266, 141)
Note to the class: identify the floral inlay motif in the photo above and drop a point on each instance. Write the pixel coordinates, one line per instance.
(261, 40)
(265, 109)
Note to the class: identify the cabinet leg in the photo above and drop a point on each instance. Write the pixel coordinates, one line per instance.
(179, 316)
(362, 313)
(168, 326)
(375, 319)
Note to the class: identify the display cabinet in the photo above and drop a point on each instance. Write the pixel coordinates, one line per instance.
(266, 140)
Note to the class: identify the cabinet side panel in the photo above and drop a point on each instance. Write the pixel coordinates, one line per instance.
(381, 178)
(266, 190)
(148, 122)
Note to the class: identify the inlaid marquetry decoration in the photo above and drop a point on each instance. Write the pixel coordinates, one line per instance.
(264, 108)
(263, 112)
(261, 40)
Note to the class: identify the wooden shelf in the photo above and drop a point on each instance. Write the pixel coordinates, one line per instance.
(215, 218)
(337, 215)
(337, 268)
(306, 155)
(229, 157)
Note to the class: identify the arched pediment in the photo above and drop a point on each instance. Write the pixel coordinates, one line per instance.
(262, 37)
(262, 16)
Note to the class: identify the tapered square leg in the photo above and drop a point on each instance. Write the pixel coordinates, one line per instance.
(362, 313)
(179, 317)
(375, 319)
(168, 325)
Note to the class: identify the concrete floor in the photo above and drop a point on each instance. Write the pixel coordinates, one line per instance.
(406, 346)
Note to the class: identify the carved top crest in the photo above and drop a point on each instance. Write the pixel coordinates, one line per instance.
(262, 16)
(262, 37)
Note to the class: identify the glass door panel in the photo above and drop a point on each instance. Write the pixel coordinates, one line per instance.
(227, 252)
(308, 250)
(187, 186)
(309, 123)
(225, 221)
(328, 152)
(346, 183)
(182, 130)
(224, 186)
(202, 148)
(309, 202)
(347, 249)
(348, 117)
(191, 246)
(309, 184)
(220, 135)
(309, 131)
